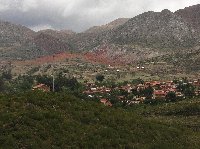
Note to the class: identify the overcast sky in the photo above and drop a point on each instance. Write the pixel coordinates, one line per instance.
(79, 15)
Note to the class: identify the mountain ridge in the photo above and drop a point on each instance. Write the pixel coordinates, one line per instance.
(112, 25)
(150, 34)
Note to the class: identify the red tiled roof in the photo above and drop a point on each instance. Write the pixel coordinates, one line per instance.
(42, 87)
(106, 102)
(159, 92)
(38, 86)
(103, 100)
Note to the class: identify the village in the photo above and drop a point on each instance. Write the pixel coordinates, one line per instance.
(154, 90)
(137, 91)
(131, 84)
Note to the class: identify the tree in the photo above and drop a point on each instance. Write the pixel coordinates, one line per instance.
(100, 77)
(61, 82)
(123, 92)
(70, 83)
(24, 83)
(138, 81)
(148, 92)
(175, 81)
(171, 96)
(1, 85)
(7, 75)
(135, 92)
(45, 80)
(19, 84)
(187, 89)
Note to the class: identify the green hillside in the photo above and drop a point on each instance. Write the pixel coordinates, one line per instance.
(48, 120)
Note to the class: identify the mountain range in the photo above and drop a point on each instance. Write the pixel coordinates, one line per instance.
(166, 36)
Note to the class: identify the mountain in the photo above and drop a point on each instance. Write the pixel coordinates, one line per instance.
(112, 25)
(146, 36)
(154, 36)
(12, 34)
(19, 42)
(51, 43)
(16, 42)
(62, 34)
(162, 35)
(157, 30)
(94, 36)
(191, 16)
(54, 41)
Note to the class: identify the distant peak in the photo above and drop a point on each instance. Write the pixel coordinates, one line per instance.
(56, 31)
(166, 11)
(191, 7)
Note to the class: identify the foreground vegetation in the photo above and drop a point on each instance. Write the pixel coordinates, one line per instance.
(61, 120)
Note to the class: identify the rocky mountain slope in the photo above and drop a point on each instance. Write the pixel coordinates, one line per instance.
(51, 44)
(191, 16)
(112, 25)
(146, 36)
(16, 42)
(155, 29)
(19, 42)
(62, 34)
(11, 34)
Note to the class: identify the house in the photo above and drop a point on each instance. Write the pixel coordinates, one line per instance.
(93, 89)
(140, 99)
(134, 102)
(197, 92)
(159, 94)
(179, 94)
(196, 83)
(106, 102)
(41, 87)
(147, 83)
(120, 98)
(127, 88)
(155, 83)
(140, 86)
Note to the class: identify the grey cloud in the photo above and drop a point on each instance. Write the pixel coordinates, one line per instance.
(79, 15)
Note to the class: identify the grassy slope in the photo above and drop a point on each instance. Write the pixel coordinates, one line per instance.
(62, 121)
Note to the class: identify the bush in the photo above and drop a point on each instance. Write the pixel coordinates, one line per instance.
(171, 96)
(100, 77)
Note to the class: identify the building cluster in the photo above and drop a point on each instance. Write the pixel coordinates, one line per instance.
(160, 90)
(134, 94)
